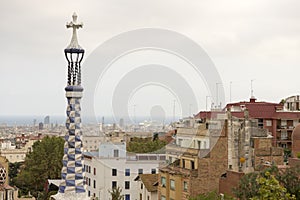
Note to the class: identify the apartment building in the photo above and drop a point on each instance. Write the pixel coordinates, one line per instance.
(279, 119)
(113, 167)
(196, 159)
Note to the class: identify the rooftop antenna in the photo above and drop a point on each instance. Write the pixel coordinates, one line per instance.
(217, 94)
(230, 91)
(252, 96)
(174, 103)
(206, 101)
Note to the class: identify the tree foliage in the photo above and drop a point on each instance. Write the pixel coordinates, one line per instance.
(145, 145)
(290, 179)
(42, 163)
(14, 169)
(270, 188)
(116, 193)
(249, 186)
(211, 196)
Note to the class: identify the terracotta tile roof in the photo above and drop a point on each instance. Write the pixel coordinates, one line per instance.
(149, 181)
(257, 109)
(208, 114)
(263, 110)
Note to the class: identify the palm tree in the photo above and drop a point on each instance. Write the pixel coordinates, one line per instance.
(116, 193)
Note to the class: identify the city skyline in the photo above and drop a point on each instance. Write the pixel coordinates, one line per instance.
(245, 40)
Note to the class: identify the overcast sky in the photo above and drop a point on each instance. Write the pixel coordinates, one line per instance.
(246, 40)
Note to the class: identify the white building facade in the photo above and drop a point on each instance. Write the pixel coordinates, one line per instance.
(113, 167)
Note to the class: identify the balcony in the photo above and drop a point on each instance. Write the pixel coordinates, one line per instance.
(258, 132)
(279, 128)
(177, 150)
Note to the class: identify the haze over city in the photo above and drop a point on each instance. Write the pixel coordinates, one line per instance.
(249, 40)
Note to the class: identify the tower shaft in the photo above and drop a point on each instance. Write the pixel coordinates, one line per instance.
(72, 183)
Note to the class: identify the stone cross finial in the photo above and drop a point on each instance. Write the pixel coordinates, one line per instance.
(73, 24)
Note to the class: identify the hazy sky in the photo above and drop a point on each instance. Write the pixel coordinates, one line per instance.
(246, 40)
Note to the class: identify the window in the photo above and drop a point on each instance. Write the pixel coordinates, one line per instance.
(142, 186)
(114, 172)
(163, 197)
(199, 144)
(89, 182)
(116, 153)
(163, 181)
(89, 169)
(127, 172)
(140, 171)
(127, 185)
(170, 159)
(172, 184)
(141, 196)
(153, 171)
(114, 184)
(94, 183)
(269, 123)
(185, 186)
(183, 163)
(89, 193)
(127, 196)
(94, 171)
(283, 123)
(260, 123)
(180, 142)
(148, 198)
(284, 135)
(192, 164)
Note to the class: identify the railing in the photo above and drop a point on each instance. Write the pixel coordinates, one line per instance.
(258, 132)
(177, 150)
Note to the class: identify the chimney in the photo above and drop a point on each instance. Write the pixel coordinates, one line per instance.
(252, 100)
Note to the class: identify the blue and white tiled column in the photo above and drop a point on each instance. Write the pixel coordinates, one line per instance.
(72, 183)
(72, 171)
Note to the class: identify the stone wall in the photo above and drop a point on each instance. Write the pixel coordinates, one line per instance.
(229, 181)
(265, 155)
(210, 169)
(293, 162)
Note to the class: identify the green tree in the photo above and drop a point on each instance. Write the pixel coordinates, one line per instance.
(248, 186)
(211, 196)
(42, 163)
(14, 169)
(116, 193)
(145, 145)
(270, 188)
(290, 179)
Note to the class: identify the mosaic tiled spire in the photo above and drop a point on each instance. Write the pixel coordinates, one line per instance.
(72, 184)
